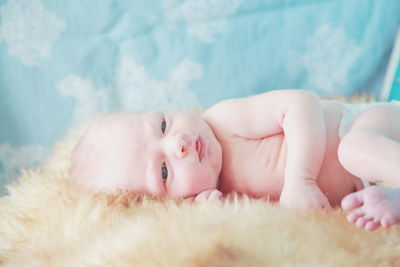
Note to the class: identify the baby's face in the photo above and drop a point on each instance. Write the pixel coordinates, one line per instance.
(164, 153)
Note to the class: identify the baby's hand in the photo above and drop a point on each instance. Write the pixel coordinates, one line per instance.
(207, 195)
(303, 197)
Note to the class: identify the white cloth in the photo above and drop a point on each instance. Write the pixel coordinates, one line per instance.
(352, 111)
(350, 114)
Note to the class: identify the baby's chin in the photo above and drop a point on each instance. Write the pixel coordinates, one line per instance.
(216, 158)
(215, 153)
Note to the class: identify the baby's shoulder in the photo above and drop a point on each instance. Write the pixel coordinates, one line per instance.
(218, 117)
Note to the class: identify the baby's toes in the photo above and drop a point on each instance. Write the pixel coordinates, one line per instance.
(372, 225)
(353, 200)
(352, 217)
(388, 220)
(362, 221)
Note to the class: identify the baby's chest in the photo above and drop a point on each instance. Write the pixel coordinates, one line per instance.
(254, 167)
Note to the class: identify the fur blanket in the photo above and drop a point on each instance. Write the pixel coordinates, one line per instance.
(46, 221)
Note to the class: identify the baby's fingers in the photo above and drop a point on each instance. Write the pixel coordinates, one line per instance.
(215, 195)
(189, 199)
(210, 194)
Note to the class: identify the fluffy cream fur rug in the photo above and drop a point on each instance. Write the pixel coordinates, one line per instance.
(46, 221)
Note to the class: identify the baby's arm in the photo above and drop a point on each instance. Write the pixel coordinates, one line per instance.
(296, 113)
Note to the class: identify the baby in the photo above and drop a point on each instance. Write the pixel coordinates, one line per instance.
(286, 145)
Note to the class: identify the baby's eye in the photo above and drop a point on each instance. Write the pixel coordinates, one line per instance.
(163, 125)
(164, 171)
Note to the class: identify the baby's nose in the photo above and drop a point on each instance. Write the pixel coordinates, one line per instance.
(183, 143)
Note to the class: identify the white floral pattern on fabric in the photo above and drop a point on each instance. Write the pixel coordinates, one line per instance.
(13, 159)
(137, 91)
(89, 99)
(205, 18)
(133, 89)
(330, 56)
(29, 30)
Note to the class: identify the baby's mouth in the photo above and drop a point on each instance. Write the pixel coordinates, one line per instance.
(201, 147)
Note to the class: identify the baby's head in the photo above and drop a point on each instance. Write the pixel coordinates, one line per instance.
(170, 154)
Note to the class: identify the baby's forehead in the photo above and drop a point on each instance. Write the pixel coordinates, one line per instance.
(111, 127)
(121, 118)
(116, 136)
(133, 122)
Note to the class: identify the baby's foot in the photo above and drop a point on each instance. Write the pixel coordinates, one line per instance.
(374, 206)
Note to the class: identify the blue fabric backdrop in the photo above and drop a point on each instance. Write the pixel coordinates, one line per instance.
(63, 61)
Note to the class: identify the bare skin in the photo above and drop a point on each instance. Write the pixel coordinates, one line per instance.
(374, 207)
(371, 150)
(283, 145)
(249, 176)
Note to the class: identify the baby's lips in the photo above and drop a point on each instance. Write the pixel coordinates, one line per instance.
(201, 147)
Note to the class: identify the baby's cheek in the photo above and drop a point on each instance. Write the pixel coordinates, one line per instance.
(215, 158)
(189, 182)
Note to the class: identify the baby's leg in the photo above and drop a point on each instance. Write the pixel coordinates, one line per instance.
(371, 151)
(371, 148)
